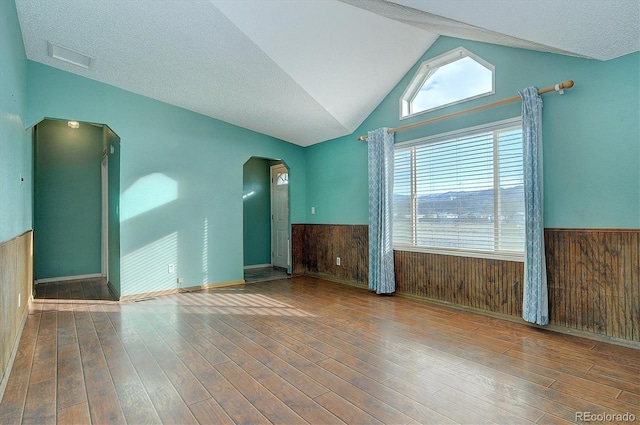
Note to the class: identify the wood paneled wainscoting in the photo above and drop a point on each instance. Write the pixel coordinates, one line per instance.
(593, 276)
(315, 248)
(490, 285)
(16, 292)
(594, 281)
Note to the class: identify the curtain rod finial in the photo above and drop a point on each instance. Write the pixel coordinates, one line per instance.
(566, 85)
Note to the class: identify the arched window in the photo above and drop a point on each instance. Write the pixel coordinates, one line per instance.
(445, 80)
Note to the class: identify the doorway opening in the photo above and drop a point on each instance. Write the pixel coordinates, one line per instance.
(266, 224)
(76, 194)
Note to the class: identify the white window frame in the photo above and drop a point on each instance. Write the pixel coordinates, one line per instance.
(461, 252)
(425, 71)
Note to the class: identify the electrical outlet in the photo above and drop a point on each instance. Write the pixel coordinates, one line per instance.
(19, 300)
(313, 210)
(171, 268)
(180, 280)
(337, 261)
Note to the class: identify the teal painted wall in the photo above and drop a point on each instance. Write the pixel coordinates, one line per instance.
(15, 141)
(180, 179)
(591, 138)
(337, 184)
(257, 212)
(67, 200)
(112, 145)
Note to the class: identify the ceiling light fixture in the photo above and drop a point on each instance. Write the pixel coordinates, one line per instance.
(73, 124)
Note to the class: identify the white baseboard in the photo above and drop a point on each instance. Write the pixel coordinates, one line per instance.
(66, 278)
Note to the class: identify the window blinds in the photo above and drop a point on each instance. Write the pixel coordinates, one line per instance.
(461, 192)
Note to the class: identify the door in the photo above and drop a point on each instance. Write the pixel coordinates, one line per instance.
(105, 216)
(280, 216)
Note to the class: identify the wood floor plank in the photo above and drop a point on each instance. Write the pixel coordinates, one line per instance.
(611, 405)
(44, 356)
(455, 411)
(368, 339)
(271, 407)
(114, 353)
(631, 398)
(620, 374)
(355, 395)
(104, 405)
(184, 338)
(572, 382)
(134, 400)
(239, 409)
(293, 397)
(185, 383)
(40, 405)
(13, 401)
(66, 328)
(304, 406)
(70, 377)
(209, 411)
(365, 402)
(369, 364)
(283, 366)
(483, 408)
(268, 326)
(344, 410)
(549, 419)
(415, 410)
(508, 365)
(348, 354)
(166, 400)
(77, 414)
(83, 320)
(15, 394)
(580, 377)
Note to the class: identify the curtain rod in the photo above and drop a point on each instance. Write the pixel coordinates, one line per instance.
(558, 87)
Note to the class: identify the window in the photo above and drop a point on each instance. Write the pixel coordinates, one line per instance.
(461, 193)
(283, 178)
(451, 78)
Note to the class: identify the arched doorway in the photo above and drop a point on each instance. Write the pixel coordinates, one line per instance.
(266, 224)
(76, 199)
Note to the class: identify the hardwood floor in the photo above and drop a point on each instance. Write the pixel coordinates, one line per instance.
(304, 350)
(264, 274)
(75, 291)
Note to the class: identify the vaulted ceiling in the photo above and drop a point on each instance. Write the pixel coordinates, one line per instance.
(304, 71)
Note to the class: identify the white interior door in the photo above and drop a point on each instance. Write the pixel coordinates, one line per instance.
(280, 216)
(105, 216)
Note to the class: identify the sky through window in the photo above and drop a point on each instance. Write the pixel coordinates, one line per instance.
(445, 80)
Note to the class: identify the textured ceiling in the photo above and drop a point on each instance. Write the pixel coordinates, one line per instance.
(598, 29)
(300, 71)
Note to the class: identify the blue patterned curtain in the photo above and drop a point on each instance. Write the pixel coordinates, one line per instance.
(381, 273)
(535, 305)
